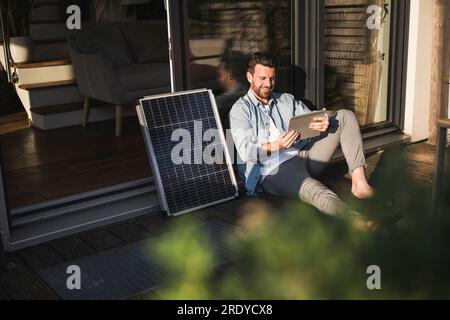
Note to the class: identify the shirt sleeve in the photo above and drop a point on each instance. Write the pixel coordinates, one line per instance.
(244, 134)
(300, 108)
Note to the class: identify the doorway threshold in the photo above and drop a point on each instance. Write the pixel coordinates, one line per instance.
(62, 217)
(377, 141)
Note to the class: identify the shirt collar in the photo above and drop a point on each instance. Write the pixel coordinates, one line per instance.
(256, 102)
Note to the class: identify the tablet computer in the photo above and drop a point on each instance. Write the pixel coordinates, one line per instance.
(301, 123)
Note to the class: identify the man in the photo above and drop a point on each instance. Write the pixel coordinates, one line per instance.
(282, 163)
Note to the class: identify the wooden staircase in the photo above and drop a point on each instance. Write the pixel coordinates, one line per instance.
(47, 86)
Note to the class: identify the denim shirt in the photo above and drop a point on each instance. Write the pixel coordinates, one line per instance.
(250, 130)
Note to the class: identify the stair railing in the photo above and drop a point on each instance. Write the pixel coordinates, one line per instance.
(6, 51)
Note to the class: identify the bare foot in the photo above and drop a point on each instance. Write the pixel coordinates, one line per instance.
(362, 191)
(360, 187)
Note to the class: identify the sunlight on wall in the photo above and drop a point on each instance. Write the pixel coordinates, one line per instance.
(419, 70)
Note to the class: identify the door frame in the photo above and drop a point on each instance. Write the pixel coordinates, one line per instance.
(4, 217)
(398, 62)
(179, 54)
(308, 47)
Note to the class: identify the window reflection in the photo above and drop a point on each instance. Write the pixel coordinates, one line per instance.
(216, 28)
(357, 57)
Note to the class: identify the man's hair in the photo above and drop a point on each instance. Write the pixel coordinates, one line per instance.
(262, 58)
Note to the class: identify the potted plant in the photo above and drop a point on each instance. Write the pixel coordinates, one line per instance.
(16, 17)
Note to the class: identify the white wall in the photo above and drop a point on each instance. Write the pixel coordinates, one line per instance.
(419, 70)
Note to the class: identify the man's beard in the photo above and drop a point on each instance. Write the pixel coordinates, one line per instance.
(264, 93)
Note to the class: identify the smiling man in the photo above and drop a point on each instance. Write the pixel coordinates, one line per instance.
(282, 163)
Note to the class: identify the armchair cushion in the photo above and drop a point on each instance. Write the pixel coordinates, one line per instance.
(147, 41)
(106, 41)
(143, 76)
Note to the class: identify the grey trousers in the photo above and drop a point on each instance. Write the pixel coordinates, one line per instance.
(298, 176)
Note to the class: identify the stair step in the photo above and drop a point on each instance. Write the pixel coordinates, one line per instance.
(48, 94)
(46, 85)
(47, 49)
(47, 3)
(44, 41)
(44, 71)
(45, 12)
(51, 21)
(51, 50)
(74, 117)
(41, 64)
(68, 107)
(49, 30)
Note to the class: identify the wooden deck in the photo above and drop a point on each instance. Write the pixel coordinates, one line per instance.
(20, 281)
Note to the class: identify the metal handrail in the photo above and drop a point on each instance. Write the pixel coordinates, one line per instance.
(6, 48)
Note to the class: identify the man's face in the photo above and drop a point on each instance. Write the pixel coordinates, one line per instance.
(262, 81)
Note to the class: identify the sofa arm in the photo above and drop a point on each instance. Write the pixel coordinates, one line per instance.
(96, 77)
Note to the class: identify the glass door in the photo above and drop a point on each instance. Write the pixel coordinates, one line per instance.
(356, 57)
(71, 148)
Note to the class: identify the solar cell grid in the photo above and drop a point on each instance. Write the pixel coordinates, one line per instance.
(186, 186)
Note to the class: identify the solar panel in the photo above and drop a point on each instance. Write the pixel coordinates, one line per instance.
(187, 150)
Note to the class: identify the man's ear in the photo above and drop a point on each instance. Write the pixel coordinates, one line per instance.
(249, 77)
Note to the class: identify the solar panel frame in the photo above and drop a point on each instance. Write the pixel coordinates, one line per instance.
(152, 155)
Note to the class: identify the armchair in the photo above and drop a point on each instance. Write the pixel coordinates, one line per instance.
(119, 63)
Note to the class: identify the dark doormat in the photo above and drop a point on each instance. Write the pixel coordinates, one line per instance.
(125, 271)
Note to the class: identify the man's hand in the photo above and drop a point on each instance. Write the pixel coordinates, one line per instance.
(284, 141)
(320, 124)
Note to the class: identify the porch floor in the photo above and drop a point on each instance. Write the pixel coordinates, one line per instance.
(21, 281)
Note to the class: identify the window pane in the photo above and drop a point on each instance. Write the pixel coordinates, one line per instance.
(357, 57)
(218, 28)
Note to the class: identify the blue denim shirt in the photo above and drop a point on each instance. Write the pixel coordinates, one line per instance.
(250, 130)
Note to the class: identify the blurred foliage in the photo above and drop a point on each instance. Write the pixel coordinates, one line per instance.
(186, 255)
(302, 254)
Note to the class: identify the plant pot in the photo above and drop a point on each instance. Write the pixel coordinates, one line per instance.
(21, 49)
